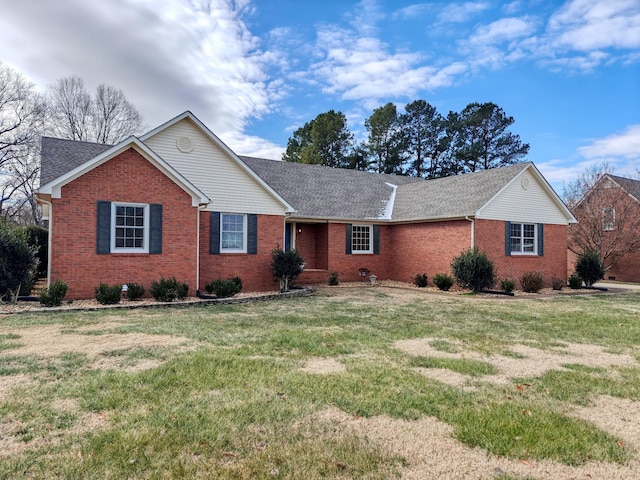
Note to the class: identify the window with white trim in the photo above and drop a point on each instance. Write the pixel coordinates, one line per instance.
(129, 227)
(362, 239)
(524, 238)
(608, 219)
(233, 233)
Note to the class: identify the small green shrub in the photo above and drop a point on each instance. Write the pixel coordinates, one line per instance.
(108, 294)
(18, 261)
(134, 291)
(443, 281)
(38, 238)
(53, 295)
(532, 282)
(507, 285)
(575, 282)
(224, 288)
(589, 267)
(472, 269)
(285, 267)
(333, 278)
(168, 290)
(420, 280)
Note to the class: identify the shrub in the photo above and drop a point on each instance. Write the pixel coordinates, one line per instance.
(17, 261)
(507, 285)
(333, 278)
(224, 288)
(589, 267)
(38, 238)
(285, 267)
(108, 294)
(168, 290)
(472, 269)
(575, 281)
(557, 283)
(420, 280)
(53, 295)
(532, 282)
(134, 291)
(442, 281)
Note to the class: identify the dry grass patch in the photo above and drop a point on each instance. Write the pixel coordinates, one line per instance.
(323, 366)
(618, 416)
(10, 382)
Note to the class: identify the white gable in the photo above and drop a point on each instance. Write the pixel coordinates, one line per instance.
(213, 170)
(527, 198)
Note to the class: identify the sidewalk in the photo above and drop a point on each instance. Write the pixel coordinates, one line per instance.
(635, 287)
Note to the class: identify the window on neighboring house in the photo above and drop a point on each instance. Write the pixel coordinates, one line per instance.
(362, 239)
(523, 238)
(608, 219)
(233, 233)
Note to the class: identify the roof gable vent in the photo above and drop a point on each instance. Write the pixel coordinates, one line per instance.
(184, 144)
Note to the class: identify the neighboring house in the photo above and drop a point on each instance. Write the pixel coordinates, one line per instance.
(178, 202)
(609, 223)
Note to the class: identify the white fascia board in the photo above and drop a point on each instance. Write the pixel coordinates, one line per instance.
(214, 138)
(54, 188)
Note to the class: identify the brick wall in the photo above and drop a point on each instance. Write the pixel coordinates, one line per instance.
(490, 238)
(254, 270)
(426, 248)
(126, 178)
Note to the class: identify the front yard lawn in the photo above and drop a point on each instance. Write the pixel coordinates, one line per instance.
(350, 383)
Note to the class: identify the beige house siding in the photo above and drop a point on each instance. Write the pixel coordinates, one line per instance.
(229, 186)
(524, 199)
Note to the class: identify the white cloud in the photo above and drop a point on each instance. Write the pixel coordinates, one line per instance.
(503, 30)
(461, 12)
(412, 11)
(624, 145)
(588, 25)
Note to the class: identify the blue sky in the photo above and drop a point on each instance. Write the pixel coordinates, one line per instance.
(254, 71)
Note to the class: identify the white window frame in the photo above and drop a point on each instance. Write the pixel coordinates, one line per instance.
(145, 228)
(353, 239)
(608, 224)
(522, 237)
(244, 233)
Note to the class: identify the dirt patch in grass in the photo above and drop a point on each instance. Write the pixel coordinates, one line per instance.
(323, 366)
(50, 341)
(525, 362)
(431, 451)
(618, 416)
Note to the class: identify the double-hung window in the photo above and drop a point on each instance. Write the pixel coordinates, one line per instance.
(608, 219)
(129, 227)
(362, 239)
(233, 233)
(523, 239)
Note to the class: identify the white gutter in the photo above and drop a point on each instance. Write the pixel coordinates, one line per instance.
(200, 208)
(473, 226)
(48, 238)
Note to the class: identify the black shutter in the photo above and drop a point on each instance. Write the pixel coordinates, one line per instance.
(103, 234)
(349, 233)
(376, 239)
(214, 233)
(252, 234)
(155, 228)
(507, 239)
(541, 239)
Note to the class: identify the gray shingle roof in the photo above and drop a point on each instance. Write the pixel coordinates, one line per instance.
(321, 192)
(60, 156)
(451, 197)
(630, 185)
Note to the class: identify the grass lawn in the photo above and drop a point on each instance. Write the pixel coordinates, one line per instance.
(349, 383)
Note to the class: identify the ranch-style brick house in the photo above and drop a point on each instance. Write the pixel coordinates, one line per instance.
(178, 202)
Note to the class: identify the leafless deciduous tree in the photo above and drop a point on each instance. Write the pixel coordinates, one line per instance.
(107, 118)
(608, 211)
(21, 124)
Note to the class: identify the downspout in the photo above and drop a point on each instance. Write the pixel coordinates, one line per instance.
(48, 238)
(198, 210)
(472, 230)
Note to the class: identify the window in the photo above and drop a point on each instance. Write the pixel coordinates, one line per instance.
(608, 219)
(233, 233)
(130, 227)
(523, 238)
(361, 239)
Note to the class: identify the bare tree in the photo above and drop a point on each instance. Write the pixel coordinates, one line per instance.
(21, 123)
(107, 118)
(608, 213)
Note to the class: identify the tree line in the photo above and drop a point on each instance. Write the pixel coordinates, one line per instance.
(66, 110)
(418, 142)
